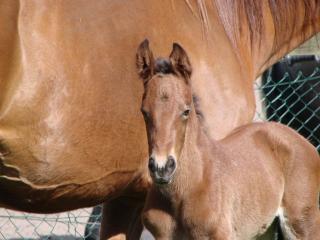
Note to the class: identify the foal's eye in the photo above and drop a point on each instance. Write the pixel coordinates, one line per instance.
(186, 113)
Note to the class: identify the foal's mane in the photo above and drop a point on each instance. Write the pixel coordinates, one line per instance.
(235, 13)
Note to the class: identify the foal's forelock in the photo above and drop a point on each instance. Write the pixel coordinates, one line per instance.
(163, 66)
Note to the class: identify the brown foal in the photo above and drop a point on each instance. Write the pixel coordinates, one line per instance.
(227, 189)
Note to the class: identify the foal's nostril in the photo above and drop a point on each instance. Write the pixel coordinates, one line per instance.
(171, 164)
(152, 165)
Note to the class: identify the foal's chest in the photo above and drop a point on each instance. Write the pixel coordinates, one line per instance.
(195, 221)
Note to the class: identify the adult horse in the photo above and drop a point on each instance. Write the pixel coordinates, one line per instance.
(66, 139)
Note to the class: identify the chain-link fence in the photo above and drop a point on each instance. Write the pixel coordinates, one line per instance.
(73, 225)
(289, 92)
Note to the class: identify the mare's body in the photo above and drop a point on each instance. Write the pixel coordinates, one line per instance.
(66, 139)
(221, 190)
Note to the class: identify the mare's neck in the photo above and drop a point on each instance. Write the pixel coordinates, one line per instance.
(262, 33)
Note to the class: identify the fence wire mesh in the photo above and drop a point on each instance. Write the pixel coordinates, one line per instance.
(293, 99)
(290, 94)
(79, 224)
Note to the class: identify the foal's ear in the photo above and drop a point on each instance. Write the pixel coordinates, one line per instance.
(180, 61)
(144, 61)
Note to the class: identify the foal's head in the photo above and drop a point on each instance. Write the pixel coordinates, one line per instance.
(166, 106)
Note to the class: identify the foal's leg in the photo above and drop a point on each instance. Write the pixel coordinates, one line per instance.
(159, 223)
(301, 223)
(301, 217)
(157, 217)
(121, 219)
(223, 234)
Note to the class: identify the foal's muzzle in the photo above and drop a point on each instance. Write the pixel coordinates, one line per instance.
(164, 174)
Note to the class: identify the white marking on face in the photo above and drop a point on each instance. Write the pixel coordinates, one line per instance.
(161, 160)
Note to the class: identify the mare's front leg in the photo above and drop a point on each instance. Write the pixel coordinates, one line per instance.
(122, 219)
(158, 216)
